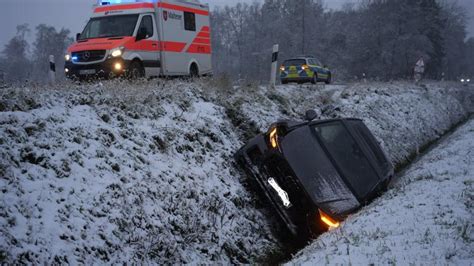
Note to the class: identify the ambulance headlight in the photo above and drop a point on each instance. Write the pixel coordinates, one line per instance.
(67, 57)
(117, 52)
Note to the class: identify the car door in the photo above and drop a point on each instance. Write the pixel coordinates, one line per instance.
(319, 68)
(148, 48)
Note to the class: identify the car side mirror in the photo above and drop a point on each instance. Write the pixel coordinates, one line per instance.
(78, 37)
(141, 35)
(311, 115)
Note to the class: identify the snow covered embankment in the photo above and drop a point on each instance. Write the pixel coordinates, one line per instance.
(117, 173)
(426, 218)
(144, 173)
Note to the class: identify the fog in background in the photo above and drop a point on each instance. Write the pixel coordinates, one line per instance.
(73, 14)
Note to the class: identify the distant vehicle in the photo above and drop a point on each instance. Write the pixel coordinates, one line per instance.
(140, 38)
(304, 69)
(465, 81)
(315, 173)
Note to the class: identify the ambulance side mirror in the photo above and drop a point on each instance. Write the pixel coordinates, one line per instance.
(141, 35)
(78, 37)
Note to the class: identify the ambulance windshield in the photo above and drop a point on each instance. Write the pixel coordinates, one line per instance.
(110, 26)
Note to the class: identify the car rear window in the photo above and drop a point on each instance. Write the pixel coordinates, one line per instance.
(294, 62)
(348, 156)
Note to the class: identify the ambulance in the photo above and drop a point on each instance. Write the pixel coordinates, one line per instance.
(143, 38)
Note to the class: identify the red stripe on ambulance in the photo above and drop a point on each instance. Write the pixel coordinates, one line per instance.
(122, 7)
(183, 8)
(199, 49)
(204, 35)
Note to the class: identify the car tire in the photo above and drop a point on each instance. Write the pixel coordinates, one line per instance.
(135, 71)
(328, 80)
(284, 82)
(194, 71)
(314, 80)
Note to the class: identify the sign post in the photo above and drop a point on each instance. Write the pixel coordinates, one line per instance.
(274, 65)
(52, 70)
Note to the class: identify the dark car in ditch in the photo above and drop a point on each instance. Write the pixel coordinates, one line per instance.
(315, 173)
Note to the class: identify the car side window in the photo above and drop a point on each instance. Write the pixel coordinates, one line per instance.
(189, 21)
(147, 24)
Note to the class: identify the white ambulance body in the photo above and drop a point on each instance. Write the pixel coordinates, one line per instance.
(143, 38)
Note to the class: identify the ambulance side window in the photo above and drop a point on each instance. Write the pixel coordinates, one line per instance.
(147, 24)
(189, 21)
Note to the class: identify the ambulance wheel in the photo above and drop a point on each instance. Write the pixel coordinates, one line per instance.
(314, 80)
(328, 80)
(194, 71)
(135, 71)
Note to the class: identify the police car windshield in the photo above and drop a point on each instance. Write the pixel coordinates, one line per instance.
(110, 26)
(294, 62)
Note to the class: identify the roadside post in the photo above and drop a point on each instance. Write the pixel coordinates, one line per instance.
(419, 70)
(52, 70)
(274, 65)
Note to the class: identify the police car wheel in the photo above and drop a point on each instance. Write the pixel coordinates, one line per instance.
(328, 80)
(314, 80)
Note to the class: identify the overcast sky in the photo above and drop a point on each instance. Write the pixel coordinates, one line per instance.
(73, 14)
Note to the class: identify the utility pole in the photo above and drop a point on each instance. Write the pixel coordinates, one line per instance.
(303, 28)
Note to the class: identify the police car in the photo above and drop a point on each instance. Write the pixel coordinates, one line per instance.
(304, 69)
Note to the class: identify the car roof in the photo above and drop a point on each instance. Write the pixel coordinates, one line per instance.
(301, 57)
(293, 124)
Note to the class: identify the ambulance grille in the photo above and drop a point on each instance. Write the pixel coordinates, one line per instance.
(89, 56)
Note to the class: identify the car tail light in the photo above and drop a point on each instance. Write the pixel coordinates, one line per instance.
(326, 219)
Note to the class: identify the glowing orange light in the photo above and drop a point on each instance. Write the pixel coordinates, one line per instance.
(328, 220)
(273, 138)
(282, 68)
(304, 67)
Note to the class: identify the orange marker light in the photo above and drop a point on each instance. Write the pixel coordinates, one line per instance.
(304, 67)
(328, 220)
(273, 138)
(282, 68)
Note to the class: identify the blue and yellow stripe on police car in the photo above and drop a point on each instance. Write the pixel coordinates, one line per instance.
(296, 72)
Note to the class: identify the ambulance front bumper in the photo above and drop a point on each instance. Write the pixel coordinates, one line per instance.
(111, 67)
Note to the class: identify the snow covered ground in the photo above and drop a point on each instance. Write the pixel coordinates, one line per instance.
(118, 172)
(426, 218)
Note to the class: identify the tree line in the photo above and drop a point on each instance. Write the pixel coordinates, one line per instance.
(381, 39)
(20, 61)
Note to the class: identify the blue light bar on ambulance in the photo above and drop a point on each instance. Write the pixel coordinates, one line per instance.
(115, 2)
